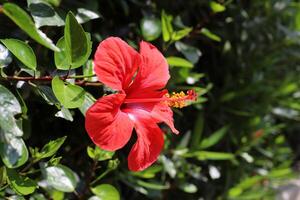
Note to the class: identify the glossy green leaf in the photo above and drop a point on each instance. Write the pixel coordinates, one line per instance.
(189, 187)
(151, 28)
(22, 51)
(216, 7)
(64, 113)
(61, 178)
(21, 185)
(214, 138)
(191, 53)
(210, 35)
(70, 96)
(106, 192)
(9, 107)
(62, 59)
(52, 147)
(23, 20)
(44, 14)
(166, 26)
(76, 41)
(13, 151)
(179, 62)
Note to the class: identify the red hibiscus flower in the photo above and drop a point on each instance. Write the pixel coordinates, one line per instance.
(141, 102)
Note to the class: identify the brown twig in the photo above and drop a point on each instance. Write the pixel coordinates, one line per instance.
(48, 79)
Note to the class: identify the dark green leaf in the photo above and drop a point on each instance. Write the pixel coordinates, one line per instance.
(76, 42)
(190, 52)
(23, 20)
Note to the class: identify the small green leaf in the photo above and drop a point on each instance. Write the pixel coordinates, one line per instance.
(210, 35)
(22, 51)
(52, 147)
(65, 114)
(61, 178)
(179, 62)
(151, 28)
(216, 7)
(99, 154)
(23, 20)
(21, 185)
(214, 138)
(70, 96)
(106, 192)
(148, 173)
(76, 41)
(177, 35)
(166, 26)
(153, 185)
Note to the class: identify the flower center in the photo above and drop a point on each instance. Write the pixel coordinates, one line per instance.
(176, 100)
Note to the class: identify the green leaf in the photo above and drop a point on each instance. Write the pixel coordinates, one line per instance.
(22, 51)
(21, 185)
(214, 138)
(62, 59)
(148, 173)
(245, 184)
(52, 147)
(76, 41)
(191, 53)
(44, 14)
(210, 35)
(151, 28)
(99, 154)
(23, 20)
(216, 7)
(210, 155)
(166, 26)
(70, 96)
(153, 185)
(106, 192)
(197, 131)
(179, 62)
(13, 151)
(177, 35)
(9, 107)
(61, 178)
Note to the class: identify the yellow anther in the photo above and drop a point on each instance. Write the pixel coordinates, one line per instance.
(178, 100)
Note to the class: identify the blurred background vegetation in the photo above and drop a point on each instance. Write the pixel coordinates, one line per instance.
(238, 141)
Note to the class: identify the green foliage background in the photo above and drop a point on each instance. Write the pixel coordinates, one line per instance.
(239, 140)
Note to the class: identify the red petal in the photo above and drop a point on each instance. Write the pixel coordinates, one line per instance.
(149, 143)
(107, 126)
(163, 113)
(115, 63)
(153, 73)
